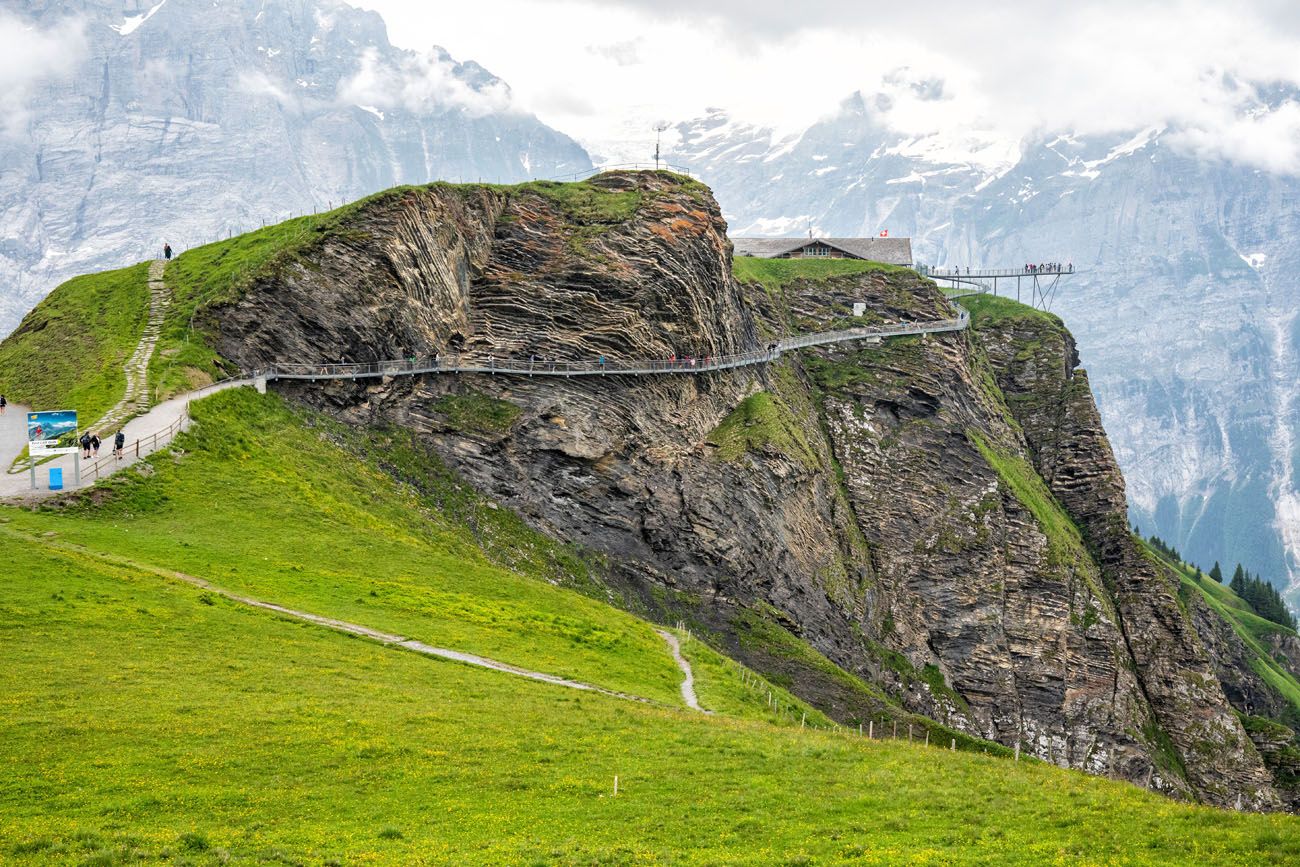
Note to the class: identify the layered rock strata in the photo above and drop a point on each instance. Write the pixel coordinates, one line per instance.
(958, 544)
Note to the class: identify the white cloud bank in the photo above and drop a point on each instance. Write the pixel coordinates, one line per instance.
(1224, 78)
(30, 55)
(422, 83)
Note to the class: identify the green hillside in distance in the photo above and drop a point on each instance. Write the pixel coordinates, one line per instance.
(69, 352)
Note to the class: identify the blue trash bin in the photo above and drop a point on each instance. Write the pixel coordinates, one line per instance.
(56, 478)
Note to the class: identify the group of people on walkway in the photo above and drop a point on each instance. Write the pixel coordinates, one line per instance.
(90, 443)
(1050, 268)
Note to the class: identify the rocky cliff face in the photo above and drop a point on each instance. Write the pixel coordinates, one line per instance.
(186, 120)
(1035, 361)
(1185, 314)
(941, 518)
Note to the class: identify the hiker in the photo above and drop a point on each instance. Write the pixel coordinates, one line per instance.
(167, 251)
(601, 362)
(85, 445)
(95, 442)
(119, 443)
(3, 403)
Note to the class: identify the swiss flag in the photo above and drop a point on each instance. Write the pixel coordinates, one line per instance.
(884, 233)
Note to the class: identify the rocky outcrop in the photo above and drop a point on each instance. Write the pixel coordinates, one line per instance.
(1036, 365)
(882, 504)
(1182, 299)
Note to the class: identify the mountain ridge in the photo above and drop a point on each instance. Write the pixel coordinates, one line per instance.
(298, 105)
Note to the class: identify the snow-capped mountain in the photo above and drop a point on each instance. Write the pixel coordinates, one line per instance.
(1186, 307)
(186, 120)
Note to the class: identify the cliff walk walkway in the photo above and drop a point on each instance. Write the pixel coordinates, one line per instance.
(606, 366)
(155, 429)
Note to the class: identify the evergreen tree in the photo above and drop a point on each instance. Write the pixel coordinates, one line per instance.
(1261, 596)
(1216, 573)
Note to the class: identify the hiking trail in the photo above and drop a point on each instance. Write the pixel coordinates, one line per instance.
(136, 397)
(688, 682)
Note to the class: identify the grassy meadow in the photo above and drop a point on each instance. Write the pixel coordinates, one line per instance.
(144, 722)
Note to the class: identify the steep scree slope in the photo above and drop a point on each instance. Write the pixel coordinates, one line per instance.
(882, 503)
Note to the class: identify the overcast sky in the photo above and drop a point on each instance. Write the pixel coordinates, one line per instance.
(606, 70)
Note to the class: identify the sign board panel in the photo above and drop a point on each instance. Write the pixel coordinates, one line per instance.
(52, 433)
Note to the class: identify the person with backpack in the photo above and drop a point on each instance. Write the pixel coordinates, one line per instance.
(3, 403)
(119, 443)
(85, 445)
(95, 442)
(167, 251)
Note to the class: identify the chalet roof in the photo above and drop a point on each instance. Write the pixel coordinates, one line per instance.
(893, 251)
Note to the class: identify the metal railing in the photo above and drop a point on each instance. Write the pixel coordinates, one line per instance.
(458, 363)
(145, 446)
(954, 273)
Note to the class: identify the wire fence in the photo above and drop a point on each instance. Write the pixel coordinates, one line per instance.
(142, 447)
(880, 724)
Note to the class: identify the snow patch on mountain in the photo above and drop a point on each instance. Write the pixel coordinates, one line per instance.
(132, 22)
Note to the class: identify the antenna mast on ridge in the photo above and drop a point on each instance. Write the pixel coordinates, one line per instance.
(659, 129)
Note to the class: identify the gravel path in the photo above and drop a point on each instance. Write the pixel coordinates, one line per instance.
(15, 486)
(402, 642)
(688, 683)
(136, 397)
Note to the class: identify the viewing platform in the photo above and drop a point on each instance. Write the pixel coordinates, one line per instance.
(1035, 285)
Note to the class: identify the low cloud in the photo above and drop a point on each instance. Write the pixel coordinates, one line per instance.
(424, 83)
(624, 53)
(1015, 70)
(257, 83)
(30, 55)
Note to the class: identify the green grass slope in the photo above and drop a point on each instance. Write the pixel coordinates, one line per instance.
(141, 722)
(68, 353)
(986, 309)
(282, 506)
(1252, 629)
(776, 273)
